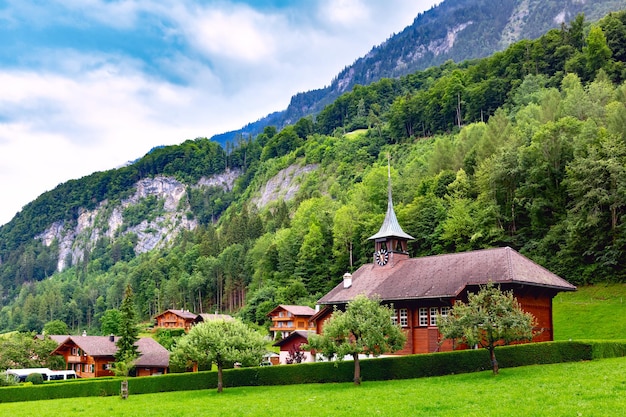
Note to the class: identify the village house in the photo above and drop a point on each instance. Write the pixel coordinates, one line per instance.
(93, 356)
(175, 319)
(184, 319)
(421, 289)
(291, 345)
(287, 319)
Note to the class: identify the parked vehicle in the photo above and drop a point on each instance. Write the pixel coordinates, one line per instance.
(20, 375)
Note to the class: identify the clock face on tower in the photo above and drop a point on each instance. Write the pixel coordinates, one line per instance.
(381, 256)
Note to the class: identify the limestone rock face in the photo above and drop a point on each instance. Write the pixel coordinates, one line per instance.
(75, 241)
(283, 185)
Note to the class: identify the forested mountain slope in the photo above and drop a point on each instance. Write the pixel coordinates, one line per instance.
(454, 30)
(525, 148)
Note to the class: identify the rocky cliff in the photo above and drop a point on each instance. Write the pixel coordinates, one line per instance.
(108, 221)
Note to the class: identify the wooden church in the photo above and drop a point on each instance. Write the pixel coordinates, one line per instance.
(420, 289)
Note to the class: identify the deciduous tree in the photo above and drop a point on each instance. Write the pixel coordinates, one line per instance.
(490, 318)
(365, 328)
(222, 343)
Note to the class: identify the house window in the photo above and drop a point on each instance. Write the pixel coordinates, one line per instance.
(280, 314)
(423, 315)
(91, 368)
(74, 351)
(433, 316)
(445, 311)
(394, 316)
(404, 317)
(290, 324)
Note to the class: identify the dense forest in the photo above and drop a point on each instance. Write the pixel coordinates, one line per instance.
(525, 148)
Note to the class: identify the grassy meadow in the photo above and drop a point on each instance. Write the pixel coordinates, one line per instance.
(592, 312)
(595, 388)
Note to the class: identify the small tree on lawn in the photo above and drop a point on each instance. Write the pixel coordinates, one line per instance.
(490, 318)
(364, 328)
(220, 342)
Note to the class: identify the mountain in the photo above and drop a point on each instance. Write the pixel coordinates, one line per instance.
(524, 148)
(454, 30)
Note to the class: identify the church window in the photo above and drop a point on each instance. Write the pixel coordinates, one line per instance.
(423, 316)
(404, 317)
(433, 316)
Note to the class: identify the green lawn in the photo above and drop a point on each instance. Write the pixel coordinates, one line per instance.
(593, 312)
(595, 388)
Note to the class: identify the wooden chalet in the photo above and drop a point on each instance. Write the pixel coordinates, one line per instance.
(420, 289)
(289, 318)
(175, 319)
(293, 342)
(93, 356)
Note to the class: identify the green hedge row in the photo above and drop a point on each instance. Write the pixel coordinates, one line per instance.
(396, 367)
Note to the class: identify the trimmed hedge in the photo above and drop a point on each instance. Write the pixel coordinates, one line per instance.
(375, 369)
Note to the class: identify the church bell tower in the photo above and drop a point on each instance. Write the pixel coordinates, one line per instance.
(390, 243)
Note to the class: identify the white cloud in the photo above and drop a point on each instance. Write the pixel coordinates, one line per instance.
(236, 34)
(344, 12)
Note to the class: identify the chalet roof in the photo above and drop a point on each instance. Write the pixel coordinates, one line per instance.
(295, 334)
(216, 316)
(91, 345)
(150, 351)
(295, 310)
(59, 338)
(445, 276)
(186, 314)
(152, 354)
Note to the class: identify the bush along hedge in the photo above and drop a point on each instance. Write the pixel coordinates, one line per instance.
(375, 369)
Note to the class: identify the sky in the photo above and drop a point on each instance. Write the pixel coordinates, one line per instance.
(88, 85)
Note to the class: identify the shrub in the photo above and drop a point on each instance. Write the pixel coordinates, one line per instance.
(7, 380)
(35, 378)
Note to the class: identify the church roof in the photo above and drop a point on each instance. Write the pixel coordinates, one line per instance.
(445, 276)
(391, 227)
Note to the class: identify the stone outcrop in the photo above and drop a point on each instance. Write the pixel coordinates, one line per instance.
(76, 240)
(284, 185)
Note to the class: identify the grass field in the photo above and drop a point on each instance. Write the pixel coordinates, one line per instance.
(595, 388)
(592, 312)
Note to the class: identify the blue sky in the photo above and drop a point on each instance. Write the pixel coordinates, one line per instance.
(87, 85)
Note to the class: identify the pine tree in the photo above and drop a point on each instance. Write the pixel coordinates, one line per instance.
(129, 334)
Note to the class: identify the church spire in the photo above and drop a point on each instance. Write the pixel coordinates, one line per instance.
(390, 239)
(390, 227)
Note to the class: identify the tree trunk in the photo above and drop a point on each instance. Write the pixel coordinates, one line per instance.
(494, 361)
(220, 385)
(357, 370)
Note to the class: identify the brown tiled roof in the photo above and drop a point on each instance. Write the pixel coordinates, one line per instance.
(445, 276)
(186, 314)
(298, 333)
(92, 345)
(152, 354)
(295, 310)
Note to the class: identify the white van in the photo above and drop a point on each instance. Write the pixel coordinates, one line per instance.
(62, 375)
(47, 374)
